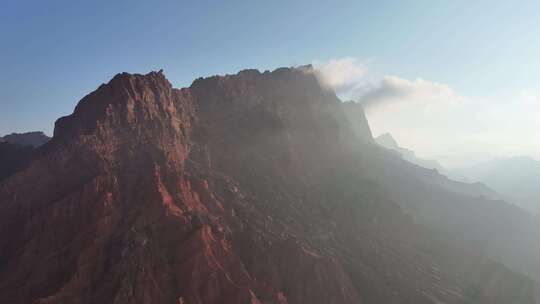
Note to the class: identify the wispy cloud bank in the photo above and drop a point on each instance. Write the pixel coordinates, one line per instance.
(347, 77)
(394, 90)
(434, 119)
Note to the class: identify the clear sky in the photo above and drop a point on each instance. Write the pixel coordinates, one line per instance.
(479, 53)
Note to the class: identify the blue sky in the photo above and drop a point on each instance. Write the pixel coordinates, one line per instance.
(54, 52)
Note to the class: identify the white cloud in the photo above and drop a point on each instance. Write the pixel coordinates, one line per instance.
(340, 74)
(393, 90)
(347, 77)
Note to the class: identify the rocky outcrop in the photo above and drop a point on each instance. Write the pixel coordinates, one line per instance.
(246, 188)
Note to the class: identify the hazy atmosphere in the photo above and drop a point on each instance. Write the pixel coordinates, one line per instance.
(269, 152)
(437, 121)
(463, 76)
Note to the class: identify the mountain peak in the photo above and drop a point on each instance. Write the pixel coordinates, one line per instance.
(119, 101)
(283, 73)
(127, 94)
(387, 140)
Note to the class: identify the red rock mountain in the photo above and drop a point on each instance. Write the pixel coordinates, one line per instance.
(246, 188)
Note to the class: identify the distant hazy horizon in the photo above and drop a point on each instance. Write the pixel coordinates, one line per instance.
(455, 81)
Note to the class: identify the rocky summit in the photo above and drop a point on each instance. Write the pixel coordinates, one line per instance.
(249, 188)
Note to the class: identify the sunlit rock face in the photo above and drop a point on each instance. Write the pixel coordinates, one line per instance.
(246, 188)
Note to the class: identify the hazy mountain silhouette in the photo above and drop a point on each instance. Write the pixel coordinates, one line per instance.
(386, 140)
(34, 139)
(465, 187)
(517, 178)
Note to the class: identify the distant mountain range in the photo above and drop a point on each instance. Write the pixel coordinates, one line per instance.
(513, 179)
(386, 140)
(34, 139)
(257, 187)
(516, 178)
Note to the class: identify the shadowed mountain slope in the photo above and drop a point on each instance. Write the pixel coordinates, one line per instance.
(13, 158)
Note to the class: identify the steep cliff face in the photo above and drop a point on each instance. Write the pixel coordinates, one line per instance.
(246, 188)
